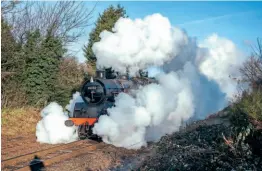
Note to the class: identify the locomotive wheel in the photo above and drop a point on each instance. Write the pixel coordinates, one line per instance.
(99, 139)
(82, 134)
(82, 137)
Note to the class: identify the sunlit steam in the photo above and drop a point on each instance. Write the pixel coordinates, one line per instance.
(195, 82)
(221, 63)
(138, 44)
(51, 129)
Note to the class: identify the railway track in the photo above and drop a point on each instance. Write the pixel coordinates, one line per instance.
(52, 155)
(12, 150)
(15, 142)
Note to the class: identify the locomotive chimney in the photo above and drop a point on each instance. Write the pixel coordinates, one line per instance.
(100, 74)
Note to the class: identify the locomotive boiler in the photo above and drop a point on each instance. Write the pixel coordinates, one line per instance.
(98, 95)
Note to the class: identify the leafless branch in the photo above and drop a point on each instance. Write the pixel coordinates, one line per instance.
(63, 19)
(252, 68)
(8, 6)
(257, 49)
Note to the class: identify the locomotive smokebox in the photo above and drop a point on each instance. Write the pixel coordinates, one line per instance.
(100, 74)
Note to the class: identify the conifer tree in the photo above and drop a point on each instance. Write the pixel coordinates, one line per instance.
(42, 64)
(106, 21)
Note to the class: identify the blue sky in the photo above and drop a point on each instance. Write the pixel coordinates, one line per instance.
(240, 22)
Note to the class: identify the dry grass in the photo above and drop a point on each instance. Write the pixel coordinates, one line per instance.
(106, 158)
(19, 121)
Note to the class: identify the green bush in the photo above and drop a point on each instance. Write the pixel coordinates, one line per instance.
(251, 103)
(69, 80)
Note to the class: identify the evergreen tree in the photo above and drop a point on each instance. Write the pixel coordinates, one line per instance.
(9, 50)
(43, 56)
(12, 64)
(32, 52)
(106, 21)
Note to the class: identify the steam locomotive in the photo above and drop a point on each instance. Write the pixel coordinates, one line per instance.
(98, 95)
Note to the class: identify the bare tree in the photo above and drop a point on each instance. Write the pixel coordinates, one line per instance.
(63, 19)
(8, 6)
(252, 68)
(257, 49)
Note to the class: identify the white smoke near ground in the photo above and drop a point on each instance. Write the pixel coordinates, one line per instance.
(51, 128)
(195, 81)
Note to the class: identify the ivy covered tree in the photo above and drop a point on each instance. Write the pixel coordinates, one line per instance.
(106, 21)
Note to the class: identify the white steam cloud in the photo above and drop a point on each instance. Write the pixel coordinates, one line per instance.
(152, 106)
(138, 44)
(51, 129)
(195, 81)
(221, 63)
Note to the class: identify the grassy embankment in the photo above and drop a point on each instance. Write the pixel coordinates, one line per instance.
(20, 121)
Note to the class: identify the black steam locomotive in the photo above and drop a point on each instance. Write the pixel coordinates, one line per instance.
(99, 94)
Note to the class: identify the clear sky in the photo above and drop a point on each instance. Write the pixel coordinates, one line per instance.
(240, 22)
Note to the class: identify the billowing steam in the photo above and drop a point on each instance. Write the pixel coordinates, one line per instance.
(138, 44)
(221, 63)
(194, 83)
(152, 106)
(51, 129)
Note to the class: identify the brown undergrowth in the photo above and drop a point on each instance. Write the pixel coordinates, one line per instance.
(19, 121)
